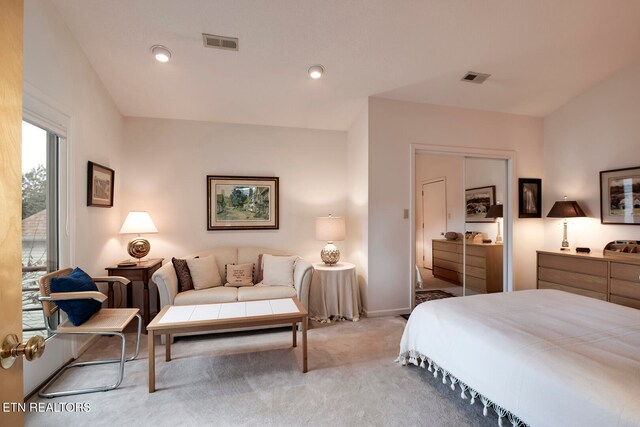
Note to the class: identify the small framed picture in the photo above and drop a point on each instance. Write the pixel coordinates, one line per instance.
(100, 186)
(478, 201)
(242, 203)
(529, 198)
(620, 196)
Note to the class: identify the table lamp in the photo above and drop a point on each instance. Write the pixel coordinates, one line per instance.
(495, 211)
(565, 209)
(138, 223)
(331, 229)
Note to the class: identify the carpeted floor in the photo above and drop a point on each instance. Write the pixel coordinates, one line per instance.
(254, 378)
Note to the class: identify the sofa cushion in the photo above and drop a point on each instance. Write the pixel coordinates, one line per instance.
(278, 270)
(265, 292)
(204, 272)
(207, 296)
(239, 274)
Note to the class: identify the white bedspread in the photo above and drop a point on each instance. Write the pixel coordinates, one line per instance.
(550, 357)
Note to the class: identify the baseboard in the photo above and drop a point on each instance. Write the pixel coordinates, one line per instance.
(39, 386)
(392, 312)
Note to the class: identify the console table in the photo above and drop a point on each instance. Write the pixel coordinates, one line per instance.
(142, 271)
(334, 292)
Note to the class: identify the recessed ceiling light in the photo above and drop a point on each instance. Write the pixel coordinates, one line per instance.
(161, 53)
(316, 71)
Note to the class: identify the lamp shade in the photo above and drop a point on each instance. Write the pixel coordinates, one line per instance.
(138, 223)
(566, 209)
(330, 228)
(495, 211)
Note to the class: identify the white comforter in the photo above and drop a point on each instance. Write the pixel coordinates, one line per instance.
(549, 357)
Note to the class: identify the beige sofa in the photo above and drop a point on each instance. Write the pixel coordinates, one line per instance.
(167, 281)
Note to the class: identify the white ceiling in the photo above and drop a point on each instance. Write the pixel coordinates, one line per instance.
(541, 53)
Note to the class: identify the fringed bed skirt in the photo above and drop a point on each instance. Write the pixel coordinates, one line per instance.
(418, 359)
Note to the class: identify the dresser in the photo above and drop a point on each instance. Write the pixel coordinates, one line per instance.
(607, 278)
(483, 264)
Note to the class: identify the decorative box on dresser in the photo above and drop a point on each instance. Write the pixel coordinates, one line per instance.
(594, 275)
(484, 264)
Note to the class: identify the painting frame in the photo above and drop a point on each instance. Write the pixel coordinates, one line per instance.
(611, 195)
(529, 198)
(243, 203)
(100, 185)
(481, 207)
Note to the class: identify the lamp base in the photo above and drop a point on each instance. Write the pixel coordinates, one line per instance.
(330, 254)
(138, 248)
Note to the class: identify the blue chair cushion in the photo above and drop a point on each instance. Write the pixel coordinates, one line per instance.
(78, 310)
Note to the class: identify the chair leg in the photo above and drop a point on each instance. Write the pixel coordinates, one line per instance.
(121, 361)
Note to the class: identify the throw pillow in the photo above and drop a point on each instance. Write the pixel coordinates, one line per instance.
(239, 274)
(204, 272)
(78, 310)
(278, 270)
(185, 282)
(260, 270)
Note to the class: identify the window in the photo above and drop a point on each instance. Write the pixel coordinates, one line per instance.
(40, 210)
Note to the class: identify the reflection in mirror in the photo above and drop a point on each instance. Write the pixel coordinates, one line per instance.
(482, 251)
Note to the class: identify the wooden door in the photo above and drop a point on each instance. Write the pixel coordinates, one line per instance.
(434, 211)
(11, 27)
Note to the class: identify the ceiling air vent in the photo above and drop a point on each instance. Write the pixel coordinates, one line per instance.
(220, 42)
(473, 77)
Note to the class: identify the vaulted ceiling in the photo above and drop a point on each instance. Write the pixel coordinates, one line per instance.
(540, 53)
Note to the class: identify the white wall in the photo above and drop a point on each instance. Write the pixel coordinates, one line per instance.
(358, 198)
(167, 162)
(58, 73)
(429, 167)
(596, 131)
(393, 126)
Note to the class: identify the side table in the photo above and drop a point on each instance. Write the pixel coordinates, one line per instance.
(142, 271)
(334, 293)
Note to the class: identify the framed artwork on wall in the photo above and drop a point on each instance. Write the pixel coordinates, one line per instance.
(100, 185)
(478, 201)
(529, 198)
(242, 203)
(620, 196)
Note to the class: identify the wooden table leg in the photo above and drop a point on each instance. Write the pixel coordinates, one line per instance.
(145, 303)
(130, 296)
(295, 334)
(152, 363)
(305, 321)
(167, 350)
(110, 295)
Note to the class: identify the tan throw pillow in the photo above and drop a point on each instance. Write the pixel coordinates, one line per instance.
(204, 272)
(278, 270)
(239, 274)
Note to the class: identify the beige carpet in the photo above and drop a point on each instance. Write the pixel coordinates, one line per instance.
(250, 379)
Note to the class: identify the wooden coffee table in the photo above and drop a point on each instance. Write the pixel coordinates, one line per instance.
(210, 317)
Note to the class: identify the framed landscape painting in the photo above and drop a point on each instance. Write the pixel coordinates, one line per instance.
(620, 196)
(529, 198)
(478, 201)
(242, 203)
(100, 185)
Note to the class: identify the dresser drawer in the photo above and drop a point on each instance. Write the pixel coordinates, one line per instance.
(573, 279)
(449, 256)
(626, 272)
(624, 288)
(475, 251)
(476, 284)
(629, 302)
(449, 265)
(445, 274)
(444, 246)
(475, 261)
(568, 263)
(548, 285)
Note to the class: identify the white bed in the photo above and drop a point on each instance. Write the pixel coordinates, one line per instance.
(549, 358)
